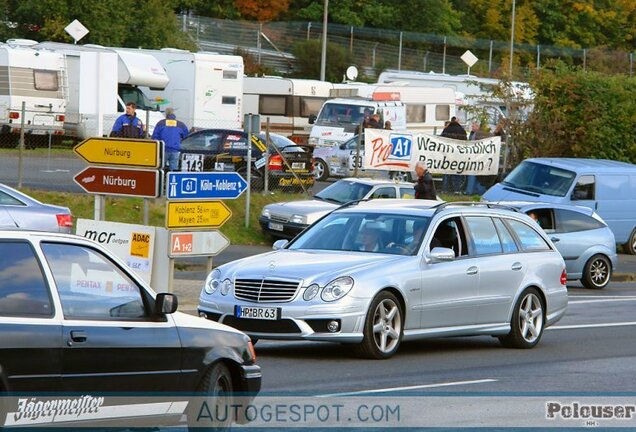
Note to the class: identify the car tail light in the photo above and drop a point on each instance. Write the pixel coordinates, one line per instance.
(59, 117)
(564, 277)
(14, 115)
(275, 163)
(64, 220)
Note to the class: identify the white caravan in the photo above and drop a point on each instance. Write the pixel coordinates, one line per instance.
(205, 89)
(288, 102)
(416, 109)
(101, 81)
(469, 89)
(37, 79)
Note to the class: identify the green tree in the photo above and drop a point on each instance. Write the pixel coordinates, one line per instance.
(308, 55)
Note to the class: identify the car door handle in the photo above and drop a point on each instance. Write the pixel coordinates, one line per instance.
(516, 266)
(78, 336)
(555, 239)
(472, 270)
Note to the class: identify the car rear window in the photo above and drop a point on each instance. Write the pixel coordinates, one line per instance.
(530, 239)
(24, 291)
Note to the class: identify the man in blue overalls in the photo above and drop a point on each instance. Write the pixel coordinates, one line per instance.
(128, 125)
(171, 131)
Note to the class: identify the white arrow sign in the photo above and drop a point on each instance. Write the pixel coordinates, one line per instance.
(192, 243)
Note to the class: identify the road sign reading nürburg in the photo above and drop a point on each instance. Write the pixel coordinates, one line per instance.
(120, 152)
(119, 181)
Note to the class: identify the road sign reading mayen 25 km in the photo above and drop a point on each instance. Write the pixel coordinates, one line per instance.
(120, 152)
(119, 181)
(196, 214)
(202, 185)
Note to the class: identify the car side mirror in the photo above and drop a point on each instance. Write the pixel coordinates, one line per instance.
(441, 254)
(166, 303)
(312, 118)
(280, 244)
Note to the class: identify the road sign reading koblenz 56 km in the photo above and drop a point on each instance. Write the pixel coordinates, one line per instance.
(120, 152)
(205, 185)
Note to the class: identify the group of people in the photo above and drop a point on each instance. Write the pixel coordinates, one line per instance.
(169, 130)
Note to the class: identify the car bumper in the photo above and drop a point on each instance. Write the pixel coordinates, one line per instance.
(297, 321)
(280, 229)
(251, 377)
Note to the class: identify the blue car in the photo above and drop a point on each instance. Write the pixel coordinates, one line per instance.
(584, 240)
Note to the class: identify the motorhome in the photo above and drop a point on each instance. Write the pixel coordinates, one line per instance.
(100, 81)
(287, 102)
(470, 90)
(205, 89)
(416, 109)
(37, 80)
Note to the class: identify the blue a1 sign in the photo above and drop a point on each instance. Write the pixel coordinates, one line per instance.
(205, 185)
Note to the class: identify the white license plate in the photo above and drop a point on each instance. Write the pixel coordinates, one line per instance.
(275, 226)
(256, 312)
(298, 165)
(191, 162)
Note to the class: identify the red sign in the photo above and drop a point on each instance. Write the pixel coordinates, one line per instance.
(386, 96)
(119, 181)
(181, 243)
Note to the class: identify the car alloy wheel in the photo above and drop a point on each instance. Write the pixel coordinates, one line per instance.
(382, 328)
(631, 244)
(528, 319)
(218, 387)
(597, 272)
(321, 172)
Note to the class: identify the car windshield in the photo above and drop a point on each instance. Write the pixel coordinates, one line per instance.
(539, 178)
(282, 142)
(334, 114)
(343, 191)
(365, 232)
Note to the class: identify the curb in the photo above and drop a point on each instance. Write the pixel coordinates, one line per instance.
(623, 277)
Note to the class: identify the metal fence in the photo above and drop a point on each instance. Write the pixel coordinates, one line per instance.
(376, 49)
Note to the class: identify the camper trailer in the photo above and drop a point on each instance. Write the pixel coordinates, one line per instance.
(100, 83)
(415, 109)
(288, 102)
(470, 90)
(37, 80)
(205, 89)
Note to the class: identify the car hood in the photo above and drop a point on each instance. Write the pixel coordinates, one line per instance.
(310, 265)
(184, 320)
(314, 208)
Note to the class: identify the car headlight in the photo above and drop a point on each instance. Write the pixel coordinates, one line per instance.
(265, 213)
(311, 292)
(212, 282)
(336, 289)
(299, 219)
(226, 286)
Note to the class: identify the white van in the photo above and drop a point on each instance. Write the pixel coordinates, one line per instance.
(608, 187)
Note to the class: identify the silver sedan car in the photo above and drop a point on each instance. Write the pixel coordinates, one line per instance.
(18, 210)
(375, 273)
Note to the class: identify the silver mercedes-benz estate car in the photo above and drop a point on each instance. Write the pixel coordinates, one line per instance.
(375, 273)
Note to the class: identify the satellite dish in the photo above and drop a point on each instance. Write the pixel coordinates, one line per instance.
(352, 73)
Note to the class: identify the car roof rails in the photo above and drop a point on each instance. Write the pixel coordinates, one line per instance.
(443, 205)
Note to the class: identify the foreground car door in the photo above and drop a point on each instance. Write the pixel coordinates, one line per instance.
(31, 341)
(111, 340)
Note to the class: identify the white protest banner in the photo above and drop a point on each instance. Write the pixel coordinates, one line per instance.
(388, 150)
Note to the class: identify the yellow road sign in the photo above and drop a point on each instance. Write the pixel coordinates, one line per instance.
(196, 214)
(120, 152)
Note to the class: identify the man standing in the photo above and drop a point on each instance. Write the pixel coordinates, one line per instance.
(453, 182)
(128, 125)
(424, 186)
(171, 131)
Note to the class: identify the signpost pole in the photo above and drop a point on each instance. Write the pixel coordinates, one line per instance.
(170, 274)
(248, 119)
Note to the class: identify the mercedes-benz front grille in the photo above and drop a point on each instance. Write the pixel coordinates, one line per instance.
(265, 290)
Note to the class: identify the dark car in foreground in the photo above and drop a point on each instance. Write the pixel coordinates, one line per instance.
(289, 164)
(18, 210)
(76, 321)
